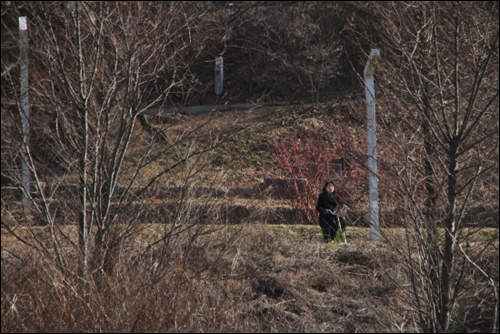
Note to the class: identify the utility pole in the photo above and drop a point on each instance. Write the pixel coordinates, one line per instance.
(372, 146)
(25, 108)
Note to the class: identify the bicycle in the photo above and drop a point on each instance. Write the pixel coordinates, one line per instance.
(340, 233)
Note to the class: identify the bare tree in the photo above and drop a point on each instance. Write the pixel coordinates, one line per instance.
(438, 104)
(96, 67)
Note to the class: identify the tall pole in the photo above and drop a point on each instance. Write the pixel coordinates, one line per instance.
(372, 146)
(25, 109)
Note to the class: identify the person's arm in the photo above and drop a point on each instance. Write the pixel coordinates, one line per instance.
(320, 206)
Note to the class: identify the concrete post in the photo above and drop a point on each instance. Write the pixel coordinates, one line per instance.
(372, 146)
(25, 109)
(219, 75)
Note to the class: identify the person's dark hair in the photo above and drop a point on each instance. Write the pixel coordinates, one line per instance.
(326, 185)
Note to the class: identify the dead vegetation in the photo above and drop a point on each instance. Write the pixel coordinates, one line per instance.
(239, 278)
(152, 263)
(232, 278)
(246, 278)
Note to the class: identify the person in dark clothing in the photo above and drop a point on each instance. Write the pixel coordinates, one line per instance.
(327, 204)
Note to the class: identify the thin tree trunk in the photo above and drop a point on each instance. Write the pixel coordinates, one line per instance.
(83, 115)
(449, 243)
(82, 227)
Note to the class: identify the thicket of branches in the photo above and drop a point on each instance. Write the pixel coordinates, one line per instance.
(304, 53)
(438, 106)
(438, 109)
(95, 67)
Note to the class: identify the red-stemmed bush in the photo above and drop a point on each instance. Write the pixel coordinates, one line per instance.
(318, 156)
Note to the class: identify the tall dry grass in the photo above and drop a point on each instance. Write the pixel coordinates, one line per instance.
(238, 278)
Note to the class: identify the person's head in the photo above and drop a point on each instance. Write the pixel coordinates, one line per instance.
(329, 187)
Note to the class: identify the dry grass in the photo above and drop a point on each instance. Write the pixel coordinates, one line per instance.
(240, 278)
(244, 156)
(248, 277)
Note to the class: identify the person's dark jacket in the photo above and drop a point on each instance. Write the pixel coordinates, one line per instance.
(327, 202)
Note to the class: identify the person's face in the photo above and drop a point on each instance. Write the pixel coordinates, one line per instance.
(330, 188)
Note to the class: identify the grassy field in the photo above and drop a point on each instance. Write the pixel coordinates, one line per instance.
(246, 277)
(238, 278)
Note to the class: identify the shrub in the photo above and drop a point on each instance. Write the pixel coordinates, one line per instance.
(318, 156)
